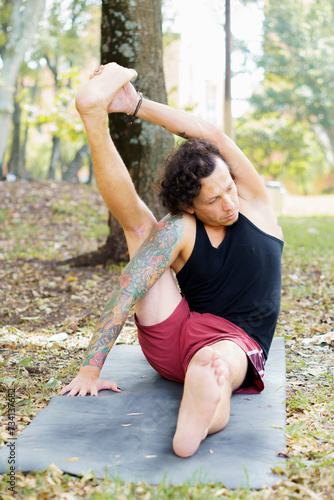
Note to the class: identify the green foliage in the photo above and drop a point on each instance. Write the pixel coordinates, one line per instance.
(298, 64)
(62, 117)
(65, 38)
(280, 147)
(297, 58)
(5, 12)
(69, 35)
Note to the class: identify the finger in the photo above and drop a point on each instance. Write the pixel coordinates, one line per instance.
(134, 73)
(106, 385)
(93, 391)
(73, 392)
(83, 392)
(65, 389)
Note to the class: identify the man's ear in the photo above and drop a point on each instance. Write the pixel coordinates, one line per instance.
(189, 210)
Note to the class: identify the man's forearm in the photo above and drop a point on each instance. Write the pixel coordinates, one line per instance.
(107, 330)
(186, 125)
(176, 121)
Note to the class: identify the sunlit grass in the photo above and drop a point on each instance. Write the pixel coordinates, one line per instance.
(306, 237)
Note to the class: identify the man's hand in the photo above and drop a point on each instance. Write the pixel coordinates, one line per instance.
(87, 382)
(98, 93)
(124, 100)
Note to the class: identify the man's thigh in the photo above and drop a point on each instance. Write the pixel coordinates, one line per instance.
(236, 359)
(163, 298)
(160, 301)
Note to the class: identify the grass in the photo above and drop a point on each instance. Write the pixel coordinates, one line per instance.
(75, 219)
(309, 236)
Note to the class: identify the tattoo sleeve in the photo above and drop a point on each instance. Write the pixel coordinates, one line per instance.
(145, 268)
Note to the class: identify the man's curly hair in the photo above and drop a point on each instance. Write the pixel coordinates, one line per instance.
(183, 170)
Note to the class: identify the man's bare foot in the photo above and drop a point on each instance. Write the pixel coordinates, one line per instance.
(202, 393)
(96, 96)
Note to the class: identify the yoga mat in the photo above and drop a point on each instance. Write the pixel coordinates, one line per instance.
(129, 434)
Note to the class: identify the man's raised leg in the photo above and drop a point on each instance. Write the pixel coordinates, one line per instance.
(213, 374)
(93, 103)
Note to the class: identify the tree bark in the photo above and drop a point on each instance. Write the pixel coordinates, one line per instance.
(55, 157)
(71, 172)
(24, 21)
(15, 160)
(131, 35)
(91, 171)
(228, 129)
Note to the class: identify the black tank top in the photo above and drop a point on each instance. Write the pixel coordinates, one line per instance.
(239, 281)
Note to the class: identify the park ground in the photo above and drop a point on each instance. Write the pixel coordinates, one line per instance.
(44, 223)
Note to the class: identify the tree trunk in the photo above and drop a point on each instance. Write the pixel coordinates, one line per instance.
(228, 129)
(24, 153)
(15, 161)
(55, 157)
(71, 172)
(91, 171)
(132, 36)
(24, 21)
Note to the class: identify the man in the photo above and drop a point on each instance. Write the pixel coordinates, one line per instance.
(222, 240)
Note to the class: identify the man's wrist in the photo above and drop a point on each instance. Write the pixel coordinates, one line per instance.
(89, 369)
(95, 120)
(135, 107)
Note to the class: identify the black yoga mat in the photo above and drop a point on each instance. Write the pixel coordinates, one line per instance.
(129, 434)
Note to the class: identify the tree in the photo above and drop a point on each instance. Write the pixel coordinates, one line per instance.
(132, 37)
(298, 65)
(19, 25)
(280, 147)
(66, 39)
(228, 73)
(64, 48)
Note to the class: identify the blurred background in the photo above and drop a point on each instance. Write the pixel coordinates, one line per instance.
(261, 70)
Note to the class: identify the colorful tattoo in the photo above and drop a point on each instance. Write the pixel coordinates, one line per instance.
(148, 264)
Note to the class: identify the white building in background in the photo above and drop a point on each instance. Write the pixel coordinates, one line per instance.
(195, 64)
(195, 75)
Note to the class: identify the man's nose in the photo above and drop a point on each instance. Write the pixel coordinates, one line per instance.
(227, 203)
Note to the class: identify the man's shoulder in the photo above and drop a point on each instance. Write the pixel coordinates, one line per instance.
(182, 221)
(263, 216)
(182, 226)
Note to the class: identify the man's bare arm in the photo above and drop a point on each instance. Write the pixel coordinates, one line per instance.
(186, 125)
(148, 264)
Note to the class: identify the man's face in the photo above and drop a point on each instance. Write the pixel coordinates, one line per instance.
(217, 203)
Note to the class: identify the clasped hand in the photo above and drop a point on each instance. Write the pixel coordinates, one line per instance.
(108, 92)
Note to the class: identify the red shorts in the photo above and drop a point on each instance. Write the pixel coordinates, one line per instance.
(170, 345)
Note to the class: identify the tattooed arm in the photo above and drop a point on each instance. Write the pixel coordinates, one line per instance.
(145, 268)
